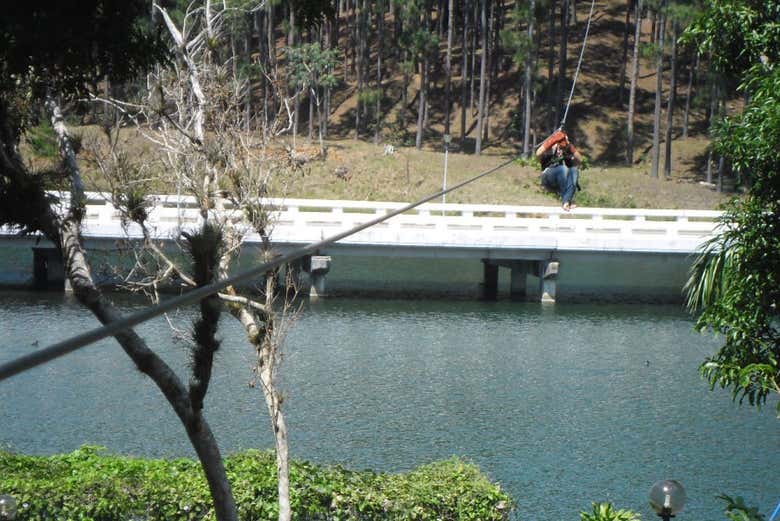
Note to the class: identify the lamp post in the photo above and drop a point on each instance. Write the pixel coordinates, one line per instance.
(447, 141)
(667, 498)
(7, 507)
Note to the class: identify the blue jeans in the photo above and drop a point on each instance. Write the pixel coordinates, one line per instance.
(561, 179)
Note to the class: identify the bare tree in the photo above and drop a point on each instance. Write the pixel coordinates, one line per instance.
(193, 114)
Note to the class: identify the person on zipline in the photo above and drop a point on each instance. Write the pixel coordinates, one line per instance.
(560, 159)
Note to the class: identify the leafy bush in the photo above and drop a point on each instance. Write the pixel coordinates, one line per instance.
(605, 512)
(89, 484)
(737, 510)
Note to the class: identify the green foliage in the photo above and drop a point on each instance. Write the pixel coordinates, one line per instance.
(69, 45)
(369, 96)
(736, 510)
(311, 66)
(735, 280)
(515, 35)
(605, 512)
(737, 33)
(89, 484)
(43, 140)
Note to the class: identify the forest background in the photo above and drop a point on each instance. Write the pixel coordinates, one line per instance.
(493, 74)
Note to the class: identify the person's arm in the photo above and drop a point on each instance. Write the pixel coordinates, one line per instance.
(575, 154)
(555, 138)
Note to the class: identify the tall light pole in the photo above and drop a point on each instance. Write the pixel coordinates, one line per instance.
(447, 141)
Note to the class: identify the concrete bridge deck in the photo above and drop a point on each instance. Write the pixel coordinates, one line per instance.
(510, 236)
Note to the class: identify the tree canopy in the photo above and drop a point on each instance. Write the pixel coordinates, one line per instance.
(736, 279)
(69, 45)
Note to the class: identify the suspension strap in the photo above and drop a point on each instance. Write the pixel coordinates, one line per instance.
(579, 63)
(77, 342)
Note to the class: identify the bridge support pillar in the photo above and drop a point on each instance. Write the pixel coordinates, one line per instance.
(548, 277)
(489, 286)
(319, 266)
(48, 270)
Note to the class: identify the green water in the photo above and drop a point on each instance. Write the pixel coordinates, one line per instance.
(563, 405)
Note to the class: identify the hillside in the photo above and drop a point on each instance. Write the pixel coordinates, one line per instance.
(360, 169)
(596, 123)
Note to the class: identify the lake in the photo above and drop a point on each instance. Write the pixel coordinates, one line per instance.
(563, 405)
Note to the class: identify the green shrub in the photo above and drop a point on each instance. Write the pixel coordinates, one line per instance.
(43, 140)
(605, 512)
(89, 484)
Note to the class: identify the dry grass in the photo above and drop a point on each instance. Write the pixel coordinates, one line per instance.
(410, 174)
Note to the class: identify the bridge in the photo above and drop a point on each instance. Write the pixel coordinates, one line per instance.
(528, 240)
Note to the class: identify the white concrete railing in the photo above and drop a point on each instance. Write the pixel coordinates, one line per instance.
(442, 227)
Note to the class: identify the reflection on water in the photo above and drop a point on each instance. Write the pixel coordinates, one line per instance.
(563, 405)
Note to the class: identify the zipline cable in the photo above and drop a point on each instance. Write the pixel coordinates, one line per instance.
(579, 63)
(59, 349)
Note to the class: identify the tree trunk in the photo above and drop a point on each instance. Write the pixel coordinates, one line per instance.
(474, 29)
(448, 67)
(691, 79)
(529, 62)
(622, 88)
(551, 66)
(491, 60)
(266, 350)
(65, 234)
(670, 106)
(464, 72)
(634, 78)
(297, 103)
(310, 137)
(422, 101)
(482, 70)
(358, 64)
(380, 24)
(270, 98)
(659, 71)
(405, 94)
(332, 35)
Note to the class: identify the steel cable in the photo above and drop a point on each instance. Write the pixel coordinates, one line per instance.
(59, 349)
(579, 64)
